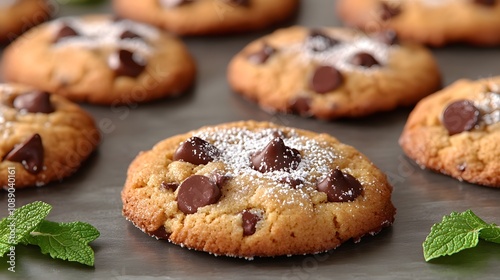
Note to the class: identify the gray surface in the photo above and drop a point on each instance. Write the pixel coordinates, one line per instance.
(124, 252)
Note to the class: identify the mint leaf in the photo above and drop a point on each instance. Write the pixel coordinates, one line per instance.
(66, 241)
(18, 225)
(457, 232)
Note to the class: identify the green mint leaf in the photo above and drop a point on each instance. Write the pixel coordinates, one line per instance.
(66, 241)
(19, 225)
(491, 233)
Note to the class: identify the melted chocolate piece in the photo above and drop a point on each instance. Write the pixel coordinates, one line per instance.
(65, 31)
(388, 11)
(364, 59)
(276, 156)
(460, 116)
(320, 42)
(340, 187)
(249, 222)
(325, 79)
(169, 186)
(293, 183)
(129, 35)
(301, 106)
(129, 64)
(261, 56)
(195, 192)
(196, 151)
(34, 102)
(489, 3)
(29, 154)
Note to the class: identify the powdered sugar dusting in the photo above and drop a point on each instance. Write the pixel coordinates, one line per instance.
(101, 33)
(489, 106)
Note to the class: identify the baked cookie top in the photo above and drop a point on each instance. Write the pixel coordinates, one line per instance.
(433, 22)
(44, 137)
(100, 59)
(330, 73)
(200, 17)
(457, 132)
(256, 189)
(17, 16)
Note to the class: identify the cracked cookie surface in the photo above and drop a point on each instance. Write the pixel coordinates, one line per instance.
(251, 189)
(330, 73)
(201, 17)
(456, 131)
(433, 22)
(100, 59)
(17, 16)
(45, 137)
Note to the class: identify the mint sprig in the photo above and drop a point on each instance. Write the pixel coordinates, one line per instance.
(66, 241)
(457, 232)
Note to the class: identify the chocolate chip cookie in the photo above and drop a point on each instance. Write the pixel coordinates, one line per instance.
(457, 132)
(199, 17)
(45, 137)
(330, 73)
(100, 60)
(433, 22)
(17, 16)
(251, 189)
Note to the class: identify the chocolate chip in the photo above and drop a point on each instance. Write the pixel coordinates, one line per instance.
(65, 31)
(160, 233)
(388, 37)
(29, 154)
(301, 106)
(460, 116)
(261, 56)
(388, 11)
(293, 183)
(128, 63)
(325, 79)
(169, 186)
(364, 59)
(318, 41)
(173, 3)
(276, 156)
(34, 102)
(195, 192)
(219, 179)
(340, 187)
(486, 2)
(129, 35)
(196, 151)
(238, 2)
(249, 222)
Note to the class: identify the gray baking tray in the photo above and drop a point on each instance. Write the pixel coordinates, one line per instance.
(124, 252)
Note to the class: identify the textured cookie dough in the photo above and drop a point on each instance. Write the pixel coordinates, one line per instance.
(44, 137)
(457, 132)
(251, 189)
(198, 17)
(101, 60)
(330, 73)
(17, 16)
(433, 22)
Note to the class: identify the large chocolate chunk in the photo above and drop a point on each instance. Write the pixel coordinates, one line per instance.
(261, 56)
(29, 154)
(325, 79)
(196, 151)
(340, 187)
(320, 42)
(364, 59)
(128, 63)
(65, 31)
(195, 192)
(460, 116)
(276, 156)
(249, 220)
(34, 102)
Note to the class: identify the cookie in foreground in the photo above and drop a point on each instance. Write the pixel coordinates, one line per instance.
(249, 189)
(433, 22)
(331, 73)
(206, 17)
(44, 137)
(17, 16)
(100, 59)
(456, 131)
